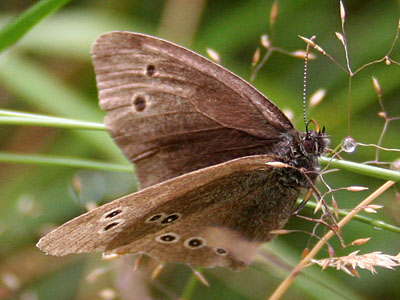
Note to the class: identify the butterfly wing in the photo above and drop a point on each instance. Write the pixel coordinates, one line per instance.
(214, 216)
(172, 111)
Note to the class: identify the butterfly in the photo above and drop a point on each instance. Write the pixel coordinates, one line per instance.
(220, 167)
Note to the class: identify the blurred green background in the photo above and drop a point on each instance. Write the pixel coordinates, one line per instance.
(49, 72)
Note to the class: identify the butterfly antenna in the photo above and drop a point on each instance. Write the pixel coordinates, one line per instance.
(305, 83)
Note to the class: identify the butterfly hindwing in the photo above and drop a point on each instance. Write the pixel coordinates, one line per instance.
(227, 207)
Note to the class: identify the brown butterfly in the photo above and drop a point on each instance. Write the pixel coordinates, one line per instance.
(202, 140)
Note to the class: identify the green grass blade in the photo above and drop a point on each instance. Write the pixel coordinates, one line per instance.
(53, 122)
(48, 94)
(10, 117)
(366, 170)
(46, 160)
(15, 30)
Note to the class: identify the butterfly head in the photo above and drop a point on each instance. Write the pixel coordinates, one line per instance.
(301, 149)
(313, 143)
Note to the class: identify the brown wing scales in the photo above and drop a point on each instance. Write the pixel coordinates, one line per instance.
(228, 206)
(183, 115)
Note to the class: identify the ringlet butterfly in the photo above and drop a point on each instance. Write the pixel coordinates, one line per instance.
(203, 142)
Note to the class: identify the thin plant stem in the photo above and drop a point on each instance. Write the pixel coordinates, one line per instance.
(372, 222)
(45, 160)
(297, 269)
(9, 117)
(53, 122)
(386, 56)
(257, 68)
(37, 159)
(349, 98)
(366, 170)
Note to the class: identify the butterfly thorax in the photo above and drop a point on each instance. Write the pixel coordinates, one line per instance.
(301, 151)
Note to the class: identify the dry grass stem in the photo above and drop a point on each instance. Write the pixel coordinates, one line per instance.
(274, 13)
(306, 260)
(342, 13)
(356, 188)
(108, 294)
(110, 256)
(313, 44)
(302, 54)
(256, 57)
(379, 147)
(96, 273)
(201, 278)
(213, 55)
(377, 86)
(157, 271)
(288, 113)
(138, 263)
(366, 261)
(277, 164)
(335, 208)
(340, 37)
(323, 52)
(317, 97)
(359, 242)
(281, 231)
(265, 41)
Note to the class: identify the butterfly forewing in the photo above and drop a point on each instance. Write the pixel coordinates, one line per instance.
(173, 111)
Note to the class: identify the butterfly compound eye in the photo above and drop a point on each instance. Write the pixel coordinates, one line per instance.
(310, 146)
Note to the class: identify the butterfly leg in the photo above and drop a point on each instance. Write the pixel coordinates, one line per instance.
(319, 198)
(330, 227)
(303, 203)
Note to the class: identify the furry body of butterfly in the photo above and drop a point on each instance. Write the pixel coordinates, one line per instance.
(201, 139)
